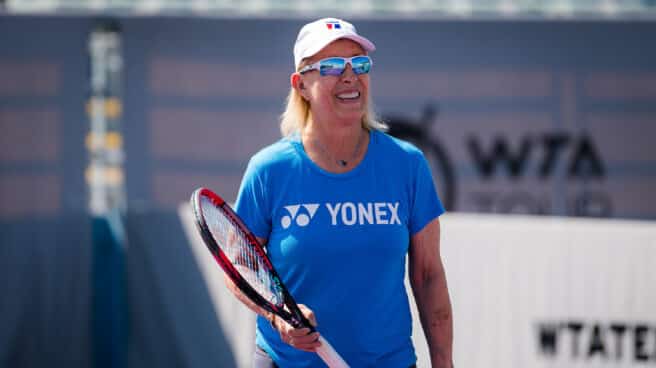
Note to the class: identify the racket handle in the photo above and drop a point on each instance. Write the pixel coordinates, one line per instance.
(329, 355)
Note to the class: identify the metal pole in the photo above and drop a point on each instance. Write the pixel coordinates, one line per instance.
(107, 200)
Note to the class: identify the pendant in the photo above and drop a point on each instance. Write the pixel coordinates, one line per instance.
(342, 163)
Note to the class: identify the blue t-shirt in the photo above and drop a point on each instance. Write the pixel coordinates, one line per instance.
(339, 242)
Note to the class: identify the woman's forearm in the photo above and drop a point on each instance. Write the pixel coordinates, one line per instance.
(246, 301)
(428, 281)
(434, 306)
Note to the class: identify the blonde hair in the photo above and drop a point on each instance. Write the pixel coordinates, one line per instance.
(297, 112)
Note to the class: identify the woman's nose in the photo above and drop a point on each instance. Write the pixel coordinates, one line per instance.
(348, 74)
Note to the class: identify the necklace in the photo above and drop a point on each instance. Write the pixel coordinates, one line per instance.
(340, 162)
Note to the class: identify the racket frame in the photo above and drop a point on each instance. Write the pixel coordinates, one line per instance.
(294, 316)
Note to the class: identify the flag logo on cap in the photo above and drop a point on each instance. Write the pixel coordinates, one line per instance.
(333, 24)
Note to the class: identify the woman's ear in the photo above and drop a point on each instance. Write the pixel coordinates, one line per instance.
(297, 83)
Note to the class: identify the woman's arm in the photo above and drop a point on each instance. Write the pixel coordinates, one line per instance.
(428, 282)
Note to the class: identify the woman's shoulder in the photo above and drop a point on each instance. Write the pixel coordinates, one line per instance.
(280, 153)
(393, 145)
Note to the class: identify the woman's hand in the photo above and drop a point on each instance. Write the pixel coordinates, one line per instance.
(300, 338)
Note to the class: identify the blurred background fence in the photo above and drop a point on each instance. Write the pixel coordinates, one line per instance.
(523, 107)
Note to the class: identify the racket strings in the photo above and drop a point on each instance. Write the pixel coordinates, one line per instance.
(241, 254)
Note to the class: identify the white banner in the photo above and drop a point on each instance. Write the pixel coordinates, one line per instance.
(551, 292)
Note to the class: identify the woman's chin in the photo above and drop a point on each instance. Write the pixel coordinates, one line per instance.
(354, 114)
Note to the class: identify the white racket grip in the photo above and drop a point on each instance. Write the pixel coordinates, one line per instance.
(329, 355)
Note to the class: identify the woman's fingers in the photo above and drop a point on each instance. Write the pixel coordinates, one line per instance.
(308, 313)
(307, 342)
(300, 338)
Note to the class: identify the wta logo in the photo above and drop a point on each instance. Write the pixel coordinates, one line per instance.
(301, 219)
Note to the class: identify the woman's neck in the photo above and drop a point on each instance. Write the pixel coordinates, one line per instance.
(337, 149)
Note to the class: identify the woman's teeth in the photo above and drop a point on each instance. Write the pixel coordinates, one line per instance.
(348, 95)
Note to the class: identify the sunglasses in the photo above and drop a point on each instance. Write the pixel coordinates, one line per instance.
(337, 65)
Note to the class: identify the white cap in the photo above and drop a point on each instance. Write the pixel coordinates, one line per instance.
(313, 37)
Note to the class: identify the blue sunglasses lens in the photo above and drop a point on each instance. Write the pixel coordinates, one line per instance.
(361, 64)
(336, 66)
(332, 66)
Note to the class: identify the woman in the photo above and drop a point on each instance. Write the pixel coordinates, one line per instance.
(339, 204)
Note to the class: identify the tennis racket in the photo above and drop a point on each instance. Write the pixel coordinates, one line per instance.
(243, 259)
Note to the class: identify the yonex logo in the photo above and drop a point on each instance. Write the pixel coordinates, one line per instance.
(343, 213)
(301, 219)
(376, 213)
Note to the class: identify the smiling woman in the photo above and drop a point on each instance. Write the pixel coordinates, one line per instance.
(337, 98)
(340, 205)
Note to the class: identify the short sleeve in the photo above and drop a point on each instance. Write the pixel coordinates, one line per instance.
(251, 204)
(426, 204)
